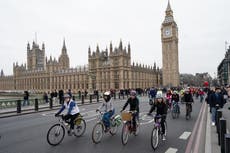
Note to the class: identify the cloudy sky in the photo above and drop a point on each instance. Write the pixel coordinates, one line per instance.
(204, 26)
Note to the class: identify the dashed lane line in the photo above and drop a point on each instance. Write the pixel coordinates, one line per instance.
(171, 150)
(185, 135)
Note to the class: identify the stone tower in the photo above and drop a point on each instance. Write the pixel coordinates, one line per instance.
(169, 39)
(64, 58)
(35, 57)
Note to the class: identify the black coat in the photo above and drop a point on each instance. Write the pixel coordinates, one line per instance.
(216, 99)
(188, 97)
(161, 108)
(133, 103)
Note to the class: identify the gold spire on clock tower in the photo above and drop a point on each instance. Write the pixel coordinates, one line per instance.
(169, 39)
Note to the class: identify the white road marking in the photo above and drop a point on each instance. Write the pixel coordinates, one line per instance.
(227, 131)
(147, 122)
(171, 150)
(185, 135)
(91, 119)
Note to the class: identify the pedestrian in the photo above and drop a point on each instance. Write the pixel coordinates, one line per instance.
(45, 97)
(216, 101)
(26, 98)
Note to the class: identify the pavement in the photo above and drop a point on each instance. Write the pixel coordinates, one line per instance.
(211, 145)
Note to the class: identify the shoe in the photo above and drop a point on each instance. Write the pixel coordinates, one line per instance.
(213, 123)
(163, 137)
(70, 132)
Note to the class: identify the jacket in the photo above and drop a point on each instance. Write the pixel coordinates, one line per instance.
(133, 103)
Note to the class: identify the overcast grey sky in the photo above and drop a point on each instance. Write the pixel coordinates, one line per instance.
(204, 26)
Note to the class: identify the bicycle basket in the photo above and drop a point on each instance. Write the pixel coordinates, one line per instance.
(118, 120)
(126, 116)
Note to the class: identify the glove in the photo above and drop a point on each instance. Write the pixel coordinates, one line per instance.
(56, 114)
(97, 110)
(121, 110)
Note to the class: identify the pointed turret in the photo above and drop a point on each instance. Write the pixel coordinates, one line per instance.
(120, 45)
(2, 73)
(89, 51)
(97, 49)
(110, 47)
(129, 49)
(43, 46)
(169, 10)
(64, 50)
(28, 46)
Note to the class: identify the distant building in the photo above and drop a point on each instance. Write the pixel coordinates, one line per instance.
(223, 70)
(106, 70)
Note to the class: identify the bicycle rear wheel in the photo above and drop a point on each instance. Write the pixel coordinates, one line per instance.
(55, 134)
(174, 113)
(79, 127)
(137, 129)
(125, 134)
(97, 133)
(154, 138)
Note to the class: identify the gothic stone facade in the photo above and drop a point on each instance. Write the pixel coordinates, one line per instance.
(169, 38)
(105, 70)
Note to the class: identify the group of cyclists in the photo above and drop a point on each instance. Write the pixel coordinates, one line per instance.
(159, 104)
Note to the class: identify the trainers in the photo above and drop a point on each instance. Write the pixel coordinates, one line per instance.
(70, 132)
(163, 137)
(213, 123)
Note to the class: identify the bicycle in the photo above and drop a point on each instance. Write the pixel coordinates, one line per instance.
(157, 131)
(99, 128)
(56, 133)
(127, 118)
(175, 109)
(188, 110)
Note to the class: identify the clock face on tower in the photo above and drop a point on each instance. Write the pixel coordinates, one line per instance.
(167, 32)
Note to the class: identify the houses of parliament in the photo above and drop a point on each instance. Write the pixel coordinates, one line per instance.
(106, 69)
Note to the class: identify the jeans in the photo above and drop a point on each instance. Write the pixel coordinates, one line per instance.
(213, 109)
(26, 102)
(106, 118)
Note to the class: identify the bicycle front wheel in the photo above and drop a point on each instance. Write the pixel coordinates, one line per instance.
(55, 134)
(113, 129)
(97, 133)
(155, 138)
(174, 112)
(125, 134)
(79, 127)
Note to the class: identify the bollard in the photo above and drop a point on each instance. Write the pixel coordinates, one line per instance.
(82, 99)
(114, 95)
(51, 103)
(119, 96)
(19, 106)
(218, 116)
(90, 98)
(123, 96)
(222, 133)
(36, 105)
(227, 143)
(97, 98)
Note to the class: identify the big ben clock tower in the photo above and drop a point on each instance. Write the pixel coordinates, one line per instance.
(169, 39)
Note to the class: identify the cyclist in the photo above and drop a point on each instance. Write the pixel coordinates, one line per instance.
(169, 98)
(72, 112)
(133, 102)
(161, 110)
(108, 109)
(188, 100)
(176, 98)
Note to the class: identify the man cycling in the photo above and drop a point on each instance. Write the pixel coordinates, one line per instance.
(133, 102)
(188, 100)
(175, 98)
(107, 105)
(72, 112)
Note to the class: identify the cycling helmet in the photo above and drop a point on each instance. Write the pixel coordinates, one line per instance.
(67, 96)
(133, 93)
(118, 120)
(107, 96)
(159, 96)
